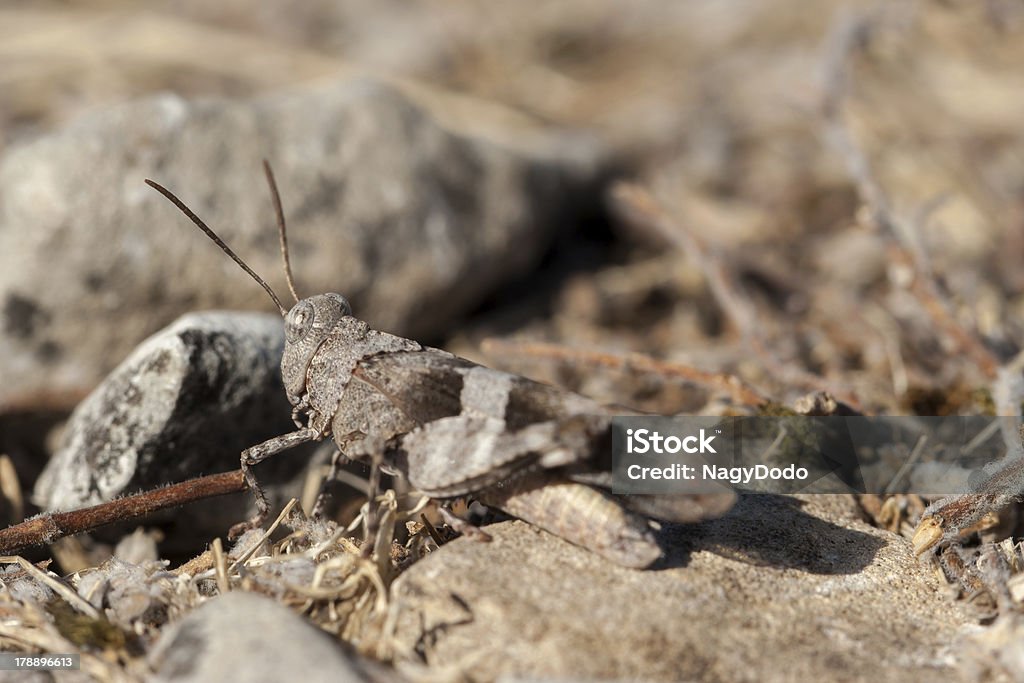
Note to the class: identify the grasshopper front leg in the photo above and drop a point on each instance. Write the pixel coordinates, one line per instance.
(257, 454)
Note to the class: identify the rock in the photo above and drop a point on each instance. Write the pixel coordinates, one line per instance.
(186, 402)
(139, 546)
(22, 587)
(130, 594)
(779, 589)
(413, 223)
(246, 637)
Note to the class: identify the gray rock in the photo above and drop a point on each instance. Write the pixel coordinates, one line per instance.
(780, 589)
(413, 223)
(22, 587)
(246, 637)
(186, 402)
(129, 594)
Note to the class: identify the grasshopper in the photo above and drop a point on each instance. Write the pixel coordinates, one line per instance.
(450, 427)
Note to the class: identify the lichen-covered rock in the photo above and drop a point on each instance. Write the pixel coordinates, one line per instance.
(186, 402)
(413, 223)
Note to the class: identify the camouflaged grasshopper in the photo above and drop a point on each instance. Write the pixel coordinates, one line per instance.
(451, 427)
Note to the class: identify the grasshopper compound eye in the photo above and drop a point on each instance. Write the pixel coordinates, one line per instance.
(299, 321)
(320, 312)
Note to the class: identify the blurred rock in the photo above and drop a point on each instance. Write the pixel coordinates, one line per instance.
(129, 593)
(246, 637)
(184, 403)
(139, 546)
(780, 589)
(414, 223)
(20, 586)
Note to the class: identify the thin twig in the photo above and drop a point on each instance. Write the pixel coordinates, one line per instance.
(734, 386)
(774, 446)
(981, 437)
(881, 320)
(637, 205)
(265, 537)
(1008, 395)
(48, 527)
(431, 530)
(220, 566)
(901, 237)
(915, 455)
(10, 488)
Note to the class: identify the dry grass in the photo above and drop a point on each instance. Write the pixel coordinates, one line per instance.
(113, 613)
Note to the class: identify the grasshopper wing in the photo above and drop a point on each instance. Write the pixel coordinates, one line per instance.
(477, 426)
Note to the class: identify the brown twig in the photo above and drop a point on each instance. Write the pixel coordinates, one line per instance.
(640, 207)
(900, 236)
(49, 527)
(735, 387)
(637, 205)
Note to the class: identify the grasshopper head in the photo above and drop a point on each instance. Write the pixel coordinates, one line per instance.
(309, 322)
(306, 326)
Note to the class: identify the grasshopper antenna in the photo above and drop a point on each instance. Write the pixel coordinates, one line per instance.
(279, 211)
(216, 240)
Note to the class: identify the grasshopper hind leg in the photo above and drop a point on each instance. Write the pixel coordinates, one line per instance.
(580, 514)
